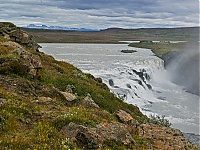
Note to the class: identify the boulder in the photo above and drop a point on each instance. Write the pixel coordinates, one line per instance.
(16, 35)
(84, 136)
(111, 82)
(115, 131)
(69, 96)
(30, 61)
(128, 51)
(88, 101)
(94, 138)
(70, 89)
(126, 117)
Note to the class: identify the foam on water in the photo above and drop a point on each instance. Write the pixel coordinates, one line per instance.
(138, 77)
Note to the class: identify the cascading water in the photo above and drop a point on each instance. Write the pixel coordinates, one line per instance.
(139, 78)
(185, 68)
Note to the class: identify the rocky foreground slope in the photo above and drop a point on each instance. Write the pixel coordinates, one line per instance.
(49, 104)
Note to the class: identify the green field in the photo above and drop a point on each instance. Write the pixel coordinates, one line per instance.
(114, 35)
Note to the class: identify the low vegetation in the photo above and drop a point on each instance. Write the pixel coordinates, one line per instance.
(159, 48)
(160, 120)
(33, 110)
(114, 35)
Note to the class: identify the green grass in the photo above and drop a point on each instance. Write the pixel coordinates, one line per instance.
(159, 48)
(114, 35)
(35, 111)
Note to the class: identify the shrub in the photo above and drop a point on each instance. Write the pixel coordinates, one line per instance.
(160, 120)
(13, 67)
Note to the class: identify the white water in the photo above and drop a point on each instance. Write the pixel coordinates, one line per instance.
(120, 71)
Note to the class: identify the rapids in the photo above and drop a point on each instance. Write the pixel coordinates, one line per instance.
(138, 78)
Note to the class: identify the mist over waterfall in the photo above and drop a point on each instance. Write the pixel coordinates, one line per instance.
(184, 68)
(139, 78)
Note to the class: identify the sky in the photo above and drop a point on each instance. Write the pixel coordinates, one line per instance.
(101, 14)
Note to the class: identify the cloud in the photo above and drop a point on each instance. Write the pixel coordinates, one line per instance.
(99, 14)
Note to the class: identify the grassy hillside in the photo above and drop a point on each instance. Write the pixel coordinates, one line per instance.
(33, 109)
(41, 97)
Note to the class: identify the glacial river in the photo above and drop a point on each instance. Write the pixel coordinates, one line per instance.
(140, 78)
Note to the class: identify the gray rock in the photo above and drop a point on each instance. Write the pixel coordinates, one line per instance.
(30, 61)
(69, 96)
(17, 35)
(128, 51)
(88, 101)
(111, 83)
(126, 117)
(93, 138)
(70, 89)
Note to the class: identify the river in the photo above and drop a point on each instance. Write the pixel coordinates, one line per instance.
(139, 78)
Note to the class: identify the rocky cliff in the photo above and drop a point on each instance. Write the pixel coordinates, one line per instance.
(49, 104)
(12, 33)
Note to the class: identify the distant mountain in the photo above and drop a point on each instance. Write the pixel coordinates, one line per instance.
(33, 26)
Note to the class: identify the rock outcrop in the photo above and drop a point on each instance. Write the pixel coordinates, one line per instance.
(23, 62)
(89, 102)
(69, 96)
(15, 34)
(30, 61)
(94, 138)
(160, 137)
(13, 44)
(126, 117)
(128, 51)
(163, 137)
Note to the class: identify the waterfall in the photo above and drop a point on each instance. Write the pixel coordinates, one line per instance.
(138, 78)
(185, 68)
(132, 80)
